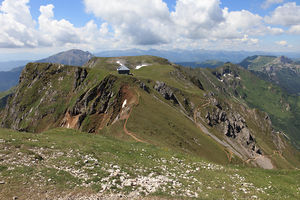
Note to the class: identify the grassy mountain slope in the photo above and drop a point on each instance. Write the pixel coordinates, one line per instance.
(279, 70)
(256, 63)
(247, 88)
(47, 109)
(161, 104)
(68, 164)
(72, 57)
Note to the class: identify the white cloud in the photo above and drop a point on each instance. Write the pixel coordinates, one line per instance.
(56, 32)
(286, 15)
(195, 19)
(282, 43)
(138, 23)
(18, 29)
(267, 3)
(17, 26)
(142, 22)
(237, 24)
(295, 30)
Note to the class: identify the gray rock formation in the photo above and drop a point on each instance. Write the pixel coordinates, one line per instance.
(166, 91)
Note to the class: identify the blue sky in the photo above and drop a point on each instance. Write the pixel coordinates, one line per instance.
(36, 27)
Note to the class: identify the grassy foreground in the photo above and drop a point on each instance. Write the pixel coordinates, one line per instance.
(68, 164)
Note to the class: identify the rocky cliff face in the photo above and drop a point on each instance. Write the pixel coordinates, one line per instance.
(230, 123)
(47, 97)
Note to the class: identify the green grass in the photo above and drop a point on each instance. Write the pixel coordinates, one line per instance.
(155, 120)
(167, 127)
(60, 150)
(271, 99)
(257, 93)
(257, 63)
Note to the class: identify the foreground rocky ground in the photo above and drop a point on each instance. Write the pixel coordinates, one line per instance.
(64, 164)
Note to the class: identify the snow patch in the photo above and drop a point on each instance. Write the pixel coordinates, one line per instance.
(124, 103)
(119, 62)
(140, 66)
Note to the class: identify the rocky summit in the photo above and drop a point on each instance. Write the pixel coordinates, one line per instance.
(162, 131)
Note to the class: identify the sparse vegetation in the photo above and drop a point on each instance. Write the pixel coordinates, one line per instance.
(63, 163)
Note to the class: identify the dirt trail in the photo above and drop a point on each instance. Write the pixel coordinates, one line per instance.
(229, 155)
(128, 132)
(254, 159)
(125, 124)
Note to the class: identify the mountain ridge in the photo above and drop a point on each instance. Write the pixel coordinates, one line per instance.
(74, 57)
(197, 55)
(280, 70)
(202, 119)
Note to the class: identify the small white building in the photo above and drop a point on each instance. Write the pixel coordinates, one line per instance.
(123, 70)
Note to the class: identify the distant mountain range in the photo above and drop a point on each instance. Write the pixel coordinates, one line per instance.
(201, 55)
(280, 70)
(205, 64)
(72, 57)
(9, 65)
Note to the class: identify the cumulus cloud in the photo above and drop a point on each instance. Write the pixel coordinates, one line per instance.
(17, 27)
(195, 19)
(142, 22)
(54, 31)
(286, 15)
(267, 3)
(237, 24)
(136, 23)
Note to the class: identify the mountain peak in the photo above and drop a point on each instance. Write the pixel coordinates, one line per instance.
(283, 60)
(74, 57)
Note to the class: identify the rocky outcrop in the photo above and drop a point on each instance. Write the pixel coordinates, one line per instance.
(54, 95)
(144, 87)
(42, 91)
(96, 99)
(102, 104)
(197, 83)
(80, 76)
(166, 91)
(234, 127)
